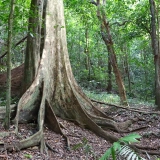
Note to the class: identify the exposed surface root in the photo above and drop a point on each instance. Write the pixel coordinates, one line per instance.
(149, 150)
(126, 108)
(110, 124)
(26, 143)
(52, 122)
(49, 147)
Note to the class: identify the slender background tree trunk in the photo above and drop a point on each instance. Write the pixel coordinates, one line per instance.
(155, 52)
(8, 90)
(109, 85)
(33, 50)
(106, 36)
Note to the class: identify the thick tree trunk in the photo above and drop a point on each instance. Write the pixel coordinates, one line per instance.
(54, 91)
(33, 52)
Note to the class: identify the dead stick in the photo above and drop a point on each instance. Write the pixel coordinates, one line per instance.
(49, 147)
(130, 109)
(22, 40)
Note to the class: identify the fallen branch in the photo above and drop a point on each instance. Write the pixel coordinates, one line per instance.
(126, 108)
(49, 147)
(144, 149)
(151, 152)
(138, 129)
(120, 24)
(22, 40)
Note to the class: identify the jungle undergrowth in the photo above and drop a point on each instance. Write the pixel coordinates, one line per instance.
(115, 99)
(14, 99)
(87, 148)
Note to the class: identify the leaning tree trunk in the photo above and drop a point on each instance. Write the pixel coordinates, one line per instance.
(54, 91)
(106, 36)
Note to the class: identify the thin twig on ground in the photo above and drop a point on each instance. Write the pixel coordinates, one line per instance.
(126, 108)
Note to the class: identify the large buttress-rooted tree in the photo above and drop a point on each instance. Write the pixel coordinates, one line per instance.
(49, 87)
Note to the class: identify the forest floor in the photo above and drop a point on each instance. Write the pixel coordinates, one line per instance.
(85, 145)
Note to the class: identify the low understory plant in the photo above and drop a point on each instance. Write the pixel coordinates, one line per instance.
(115, 99)
(28, 156)
(87, 148)
(121, 150)
(14, 99)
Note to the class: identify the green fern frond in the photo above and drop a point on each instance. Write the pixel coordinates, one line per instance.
(123, 152)
(127, 153)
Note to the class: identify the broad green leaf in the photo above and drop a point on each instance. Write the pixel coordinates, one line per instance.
(84, 141)
(113, 153)
(130, 138)
(77, 146)
(29, 156)
(116, 146)
(106, 155)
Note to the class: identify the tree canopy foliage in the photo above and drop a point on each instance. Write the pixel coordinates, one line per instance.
(130, 27)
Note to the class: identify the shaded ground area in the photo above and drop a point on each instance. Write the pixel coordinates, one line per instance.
(94, 148)
(90, 146)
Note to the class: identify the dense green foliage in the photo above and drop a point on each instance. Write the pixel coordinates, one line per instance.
(130, 28)
(19, 30)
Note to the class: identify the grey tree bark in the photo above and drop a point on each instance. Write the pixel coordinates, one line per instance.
(8, 88)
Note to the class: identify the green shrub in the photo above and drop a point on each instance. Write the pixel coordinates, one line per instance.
(120, 150)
